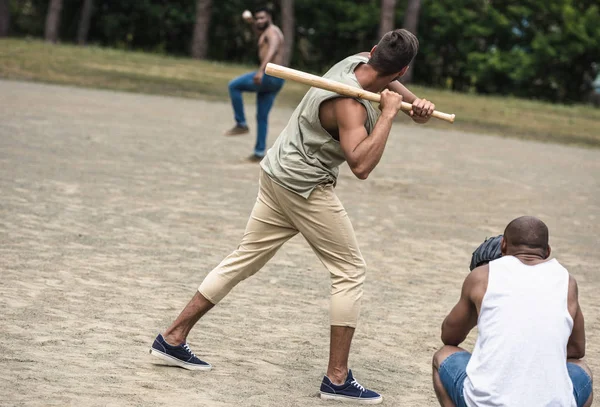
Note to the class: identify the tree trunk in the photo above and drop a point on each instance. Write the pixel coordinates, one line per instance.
(388, 16)
(4, 18)
(200, 39)
(53, 20)
(411, 20)
(84, 21)
(288, 25)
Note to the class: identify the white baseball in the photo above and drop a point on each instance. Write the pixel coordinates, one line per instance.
(247, 15)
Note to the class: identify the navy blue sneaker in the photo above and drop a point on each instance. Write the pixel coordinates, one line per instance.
(180, 355)
(349, 391)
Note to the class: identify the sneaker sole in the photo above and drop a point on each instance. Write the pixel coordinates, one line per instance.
(339, 397)
(171, 361)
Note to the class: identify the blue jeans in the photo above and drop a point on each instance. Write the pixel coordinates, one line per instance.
(265, 96)
(453, 372)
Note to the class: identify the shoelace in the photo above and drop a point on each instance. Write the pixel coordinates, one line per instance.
(357, 385)
(187, 348)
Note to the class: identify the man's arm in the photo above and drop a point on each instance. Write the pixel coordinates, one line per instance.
(463, 316)
(576, 344)
(398, 87)
(250, 21)
(421, 109)
(363, 151)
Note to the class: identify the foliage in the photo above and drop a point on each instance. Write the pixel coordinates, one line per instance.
(534, 48)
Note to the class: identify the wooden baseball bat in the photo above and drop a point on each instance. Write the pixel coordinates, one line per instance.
(337, 87)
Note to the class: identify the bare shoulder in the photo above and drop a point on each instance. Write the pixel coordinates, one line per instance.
(479, 274)
(572, 280)
(573, 288)
(573, 296)
(347, 103)
(476, 283)
(274, 30)
(344, 114)
(349, 110)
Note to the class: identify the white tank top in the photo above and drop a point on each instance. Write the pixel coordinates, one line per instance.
(520, 357)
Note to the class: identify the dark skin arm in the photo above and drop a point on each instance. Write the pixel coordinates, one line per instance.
(576, 344)
(363, 151)
(463, 316)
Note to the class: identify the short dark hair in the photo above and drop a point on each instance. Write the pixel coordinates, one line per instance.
(527, 231)
(395, 51)
(264, 9)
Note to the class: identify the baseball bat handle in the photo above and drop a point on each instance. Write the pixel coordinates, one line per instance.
(337, 87)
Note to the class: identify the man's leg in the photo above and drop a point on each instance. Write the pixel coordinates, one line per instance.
(324, 223)
(267, 230)
(448, 384)
(264, 102)
(582, 379)
(180, 328)
(339, 350)
(330, 234)
(243, 83)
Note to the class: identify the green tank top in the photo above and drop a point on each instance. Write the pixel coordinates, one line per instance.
(305, 154)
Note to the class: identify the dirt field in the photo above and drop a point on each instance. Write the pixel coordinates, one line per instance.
(115, 206)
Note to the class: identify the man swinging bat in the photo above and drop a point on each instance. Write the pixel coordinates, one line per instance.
(296, 195)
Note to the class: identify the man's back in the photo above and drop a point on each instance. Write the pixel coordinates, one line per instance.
(524, 326)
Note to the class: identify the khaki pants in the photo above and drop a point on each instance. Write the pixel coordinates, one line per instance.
(280, 214)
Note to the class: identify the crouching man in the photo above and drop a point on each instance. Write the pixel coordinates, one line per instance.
(531, 335)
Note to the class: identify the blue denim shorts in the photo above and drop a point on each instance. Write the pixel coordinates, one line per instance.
(453, 372)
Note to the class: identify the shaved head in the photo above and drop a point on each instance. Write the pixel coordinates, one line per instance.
(527, 234)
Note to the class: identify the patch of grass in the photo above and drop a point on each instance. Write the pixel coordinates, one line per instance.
(163, 75)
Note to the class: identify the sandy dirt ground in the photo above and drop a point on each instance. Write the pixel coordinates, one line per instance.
(113, 208)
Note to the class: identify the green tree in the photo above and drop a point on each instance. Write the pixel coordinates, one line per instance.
(534, 48)
(547, 49)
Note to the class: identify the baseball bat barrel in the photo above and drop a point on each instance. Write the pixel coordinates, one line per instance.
(337, 87)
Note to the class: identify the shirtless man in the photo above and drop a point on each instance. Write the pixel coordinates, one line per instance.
(270, 49)
(296, 195)
(531, 330)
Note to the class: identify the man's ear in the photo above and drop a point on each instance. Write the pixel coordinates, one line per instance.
(372, 50)
(503, 246)
(549, 251)
(403, 71)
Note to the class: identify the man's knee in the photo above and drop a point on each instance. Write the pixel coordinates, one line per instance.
(232, 85)
(236, 84)
(582, 365)
(348, 283)
(360, 269)
(438, 358)
(443, 354)
(357, 274)
(584, 381)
